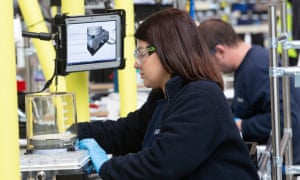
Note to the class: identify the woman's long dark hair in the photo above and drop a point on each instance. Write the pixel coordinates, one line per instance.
(181, 49)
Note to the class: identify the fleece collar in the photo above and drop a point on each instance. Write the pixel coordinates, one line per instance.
(174, 85)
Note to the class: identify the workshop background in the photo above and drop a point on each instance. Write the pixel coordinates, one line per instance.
(100, 94)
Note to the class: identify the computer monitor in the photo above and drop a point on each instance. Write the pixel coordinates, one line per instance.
(93, 42)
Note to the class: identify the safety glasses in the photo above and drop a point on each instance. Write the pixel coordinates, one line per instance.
(141, 53)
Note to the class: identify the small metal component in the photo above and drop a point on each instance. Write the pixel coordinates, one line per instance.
(41, 175)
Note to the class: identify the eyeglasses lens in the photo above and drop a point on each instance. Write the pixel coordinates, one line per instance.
(141, 53)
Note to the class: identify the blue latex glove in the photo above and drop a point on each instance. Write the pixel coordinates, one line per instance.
(97, 154)
(76, 145)
(238, 123)
(236, 119)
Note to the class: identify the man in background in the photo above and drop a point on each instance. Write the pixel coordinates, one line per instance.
(250, 64)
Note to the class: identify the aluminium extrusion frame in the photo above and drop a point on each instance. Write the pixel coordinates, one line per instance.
(281, 145)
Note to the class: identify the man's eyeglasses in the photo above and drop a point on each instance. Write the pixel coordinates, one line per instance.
(141, 53)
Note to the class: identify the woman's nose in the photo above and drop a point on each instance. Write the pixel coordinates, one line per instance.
(137, 65)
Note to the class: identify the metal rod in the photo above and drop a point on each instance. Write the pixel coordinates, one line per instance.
(263, 161)
(286, 149)
(286, 71)
(274, 92)
(284, 141)
(265, 156)
(295, 44)
(295, 169)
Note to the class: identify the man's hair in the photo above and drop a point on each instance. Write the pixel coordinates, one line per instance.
(182, 51)
(216, 31)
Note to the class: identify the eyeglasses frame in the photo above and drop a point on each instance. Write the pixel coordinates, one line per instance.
(141, 53)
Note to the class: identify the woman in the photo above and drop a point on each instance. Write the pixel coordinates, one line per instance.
(185, 129)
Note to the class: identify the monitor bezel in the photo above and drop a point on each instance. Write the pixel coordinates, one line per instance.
(117, 63)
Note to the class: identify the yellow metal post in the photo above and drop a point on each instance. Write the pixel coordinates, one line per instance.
(9, 134)
(127, 77)
(78, 82)
(45, 51)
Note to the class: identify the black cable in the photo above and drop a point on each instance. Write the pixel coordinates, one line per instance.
(46, 85)
(40, 35)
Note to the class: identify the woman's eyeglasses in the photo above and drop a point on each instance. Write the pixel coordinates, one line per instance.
(141, 53)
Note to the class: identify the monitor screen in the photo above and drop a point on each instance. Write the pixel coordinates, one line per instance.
(93, 42)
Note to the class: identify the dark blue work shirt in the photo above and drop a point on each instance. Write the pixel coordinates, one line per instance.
(252, 101)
